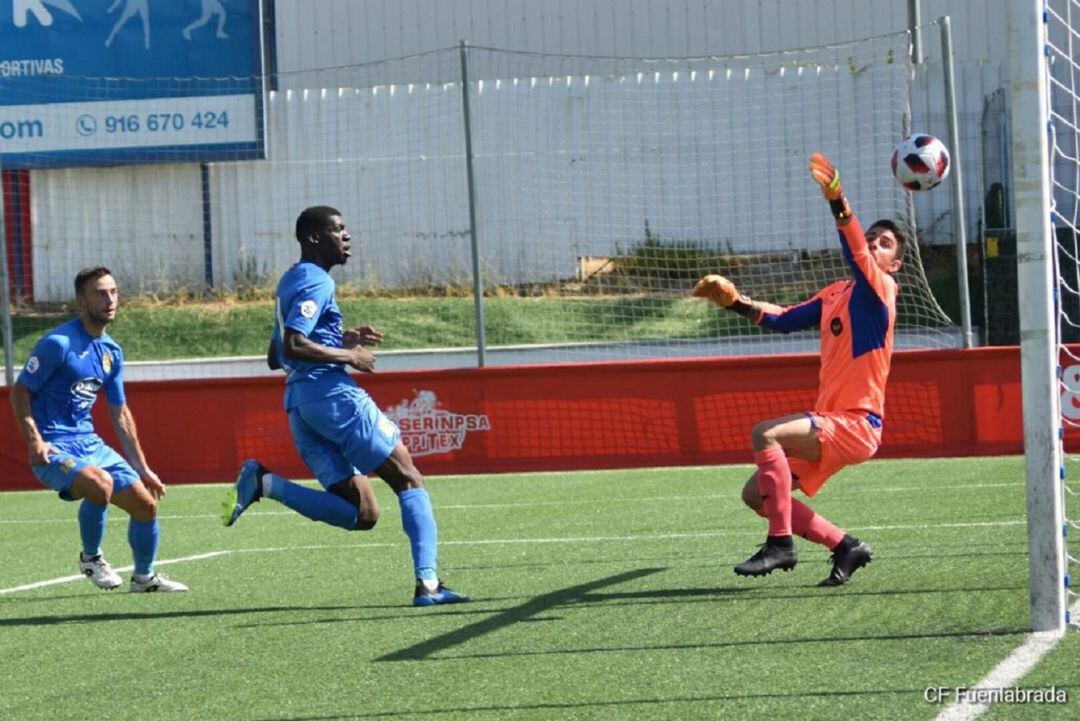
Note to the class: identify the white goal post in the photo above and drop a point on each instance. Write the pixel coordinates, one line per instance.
(1030, 100)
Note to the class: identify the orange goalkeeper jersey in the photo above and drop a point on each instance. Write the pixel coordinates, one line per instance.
(856, 318)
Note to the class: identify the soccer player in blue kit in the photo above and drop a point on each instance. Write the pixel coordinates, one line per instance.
(52, 399)
(338, 430)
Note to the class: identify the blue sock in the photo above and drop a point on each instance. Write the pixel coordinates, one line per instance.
(143, 537)
(91, 527)
(418, 520)
(316, 505)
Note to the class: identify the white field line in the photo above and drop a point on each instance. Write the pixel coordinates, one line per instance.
(441, 507)
(531, 504)
(702, 534)
(497, 542)
(603, 539)
(1009, 672)
(79, 577)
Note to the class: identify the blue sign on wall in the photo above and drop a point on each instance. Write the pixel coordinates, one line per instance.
(111, 81)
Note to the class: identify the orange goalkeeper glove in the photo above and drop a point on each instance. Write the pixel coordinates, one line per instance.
(826, 176)
(716, 289)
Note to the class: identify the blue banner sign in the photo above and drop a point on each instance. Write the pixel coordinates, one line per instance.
(91, 82)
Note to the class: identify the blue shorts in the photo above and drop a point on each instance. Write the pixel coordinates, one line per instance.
(74, 455)
(342, 435)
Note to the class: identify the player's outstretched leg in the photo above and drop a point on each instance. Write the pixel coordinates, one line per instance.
(776, 552)
(849, 556)
(247, 489)
(255, 481)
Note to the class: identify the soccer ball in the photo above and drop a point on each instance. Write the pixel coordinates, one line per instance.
(919, 162)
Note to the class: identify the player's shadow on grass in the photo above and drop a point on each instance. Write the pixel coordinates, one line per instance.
(154, 615)
(472, 609)
(475, 609)
(591, 593)
(527, 611)
(751, 643)
(726, 562)
(760, 593)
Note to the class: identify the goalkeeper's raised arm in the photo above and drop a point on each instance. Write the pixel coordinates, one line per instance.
(828, 177)
(873, 256)
(721, 291)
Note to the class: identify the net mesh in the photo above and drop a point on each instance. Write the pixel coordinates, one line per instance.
(604, 188)
(1063, 44)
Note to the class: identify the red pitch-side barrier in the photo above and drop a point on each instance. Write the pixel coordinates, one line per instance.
(573, 416)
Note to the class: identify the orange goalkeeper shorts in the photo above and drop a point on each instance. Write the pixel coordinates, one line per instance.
(846, 439)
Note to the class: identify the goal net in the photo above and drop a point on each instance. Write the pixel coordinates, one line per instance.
(1045, 102)
(603, 188)
(1063, 63)
(631, 179)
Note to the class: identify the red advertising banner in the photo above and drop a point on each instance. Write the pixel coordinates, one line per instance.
(574, 416)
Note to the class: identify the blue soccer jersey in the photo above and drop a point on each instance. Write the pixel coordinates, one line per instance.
(305, 303)
(64, 373)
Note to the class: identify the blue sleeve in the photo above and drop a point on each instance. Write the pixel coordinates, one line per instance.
(305, 305)
(797, 317)
(47, 356)
(114, 382)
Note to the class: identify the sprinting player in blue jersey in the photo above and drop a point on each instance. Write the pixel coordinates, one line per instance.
(52, 399)
(337, 428)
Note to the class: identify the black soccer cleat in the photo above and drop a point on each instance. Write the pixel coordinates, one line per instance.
(846, 561)
(771, 556)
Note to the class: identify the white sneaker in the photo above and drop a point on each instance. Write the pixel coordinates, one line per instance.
(157, 583)
(100, 573)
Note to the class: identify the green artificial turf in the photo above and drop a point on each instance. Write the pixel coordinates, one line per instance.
(597, 595)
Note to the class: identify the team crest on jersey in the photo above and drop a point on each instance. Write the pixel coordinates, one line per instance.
(32, 364)
(836, 326)
(428, 430)
(308, 308)
(106, 361)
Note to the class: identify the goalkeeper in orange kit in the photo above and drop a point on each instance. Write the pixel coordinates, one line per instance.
(856, 318)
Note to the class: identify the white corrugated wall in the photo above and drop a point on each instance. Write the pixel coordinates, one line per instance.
(143, 222)
(331, 33)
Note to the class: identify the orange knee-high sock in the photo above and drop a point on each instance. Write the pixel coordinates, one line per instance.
(774, 482)
(813, 527)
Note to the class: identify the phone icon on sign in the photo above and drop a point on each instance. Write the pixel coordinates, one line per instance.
(85, 125)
